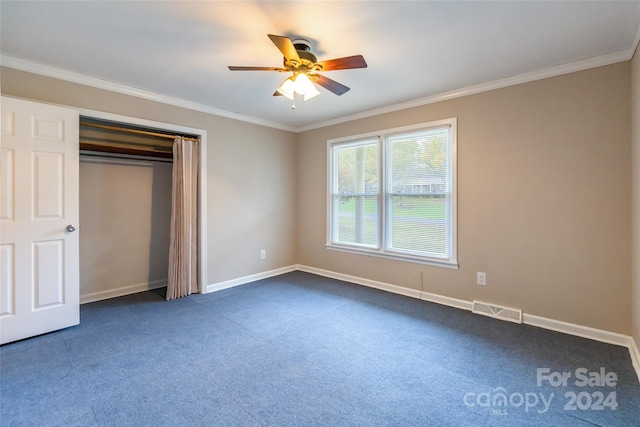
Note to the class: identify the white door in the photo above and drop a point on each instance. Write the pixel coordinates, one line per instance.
(39, 283)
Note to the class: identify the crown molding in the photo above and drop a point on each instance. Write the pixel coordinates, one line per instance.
(571, 67)
(60, 74)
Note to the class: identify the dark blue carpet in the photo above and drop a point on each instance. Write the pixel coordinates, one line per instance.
(304, 350)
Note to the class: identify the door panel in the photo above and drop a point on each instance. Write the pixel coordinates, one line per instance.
(48, 266)
(6, 184)
(48, 185)
(7, 282)
(39, 283)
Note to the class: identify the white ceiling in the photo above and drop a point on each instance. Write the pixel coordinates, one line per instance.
(178, 51)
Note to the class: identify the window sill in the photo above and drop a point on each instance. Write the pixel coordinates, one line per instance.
(397, 257)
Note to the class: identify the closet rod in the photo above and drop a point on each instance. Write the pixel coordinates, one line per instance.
(137, 131)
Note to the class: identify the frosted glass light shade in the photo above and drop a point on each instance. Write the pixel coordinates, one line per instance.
(299, 84)
(287, 88)
(305, 87)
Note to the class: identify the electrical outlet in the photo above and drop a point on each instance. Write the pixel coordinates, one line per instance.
(263, 254)
(482, 279)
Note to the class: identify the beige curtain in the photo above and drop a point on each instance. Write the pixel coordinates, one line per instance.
(183, 249)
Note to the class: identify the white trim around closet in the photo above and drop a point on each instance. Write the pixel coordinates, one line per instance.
(202, 174)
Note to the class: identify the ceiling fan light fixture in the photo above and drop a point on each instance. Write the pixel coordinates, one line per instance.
(299, 60)
(305, 87)
(300, 84)
(287, 88)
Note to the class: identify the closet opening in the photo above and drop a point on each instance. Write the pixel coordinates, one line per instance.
(125, 207)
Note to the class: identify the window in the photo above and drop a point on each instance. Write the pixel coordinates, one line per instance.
(393, 193)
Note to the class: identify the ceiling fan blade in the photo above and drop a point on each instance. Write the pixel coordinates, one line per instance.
(331, 85)
(286, 47)
(276, 93)
(346, 63)
(242, 68)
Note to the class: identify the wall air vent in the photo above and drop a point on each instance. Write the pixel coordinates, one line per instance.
(497, 312)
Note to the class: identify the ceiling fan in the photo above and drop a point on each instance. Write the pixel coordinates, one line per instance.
(306, 69)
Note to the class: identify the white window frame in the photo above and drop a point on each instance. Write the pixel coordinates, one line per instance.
(379, 251)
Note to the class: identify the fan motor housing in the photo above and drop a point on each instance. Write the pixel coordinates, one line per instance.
(307, 59)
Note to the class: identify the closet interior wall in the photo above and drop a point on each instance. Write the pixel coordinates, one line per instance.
(125, 214)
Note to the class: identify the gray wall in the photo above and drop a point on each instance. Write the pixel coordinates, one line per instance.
(544, 187)
(544, 176)
(125, 212)
(251, 182)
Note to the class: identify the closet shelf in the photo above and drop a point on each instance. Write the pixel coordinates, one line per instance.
(84, 146)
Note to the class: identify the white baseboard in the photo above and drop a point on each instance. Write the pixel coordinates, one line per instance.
(529, 319)
(451, 302)
(361, 281)
(577, 330)
(635, 356)
(439, 299)
(248, 279)
(124, 290)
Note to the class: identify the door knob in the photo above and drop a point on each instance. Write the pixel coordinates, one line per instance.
(71, 228)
